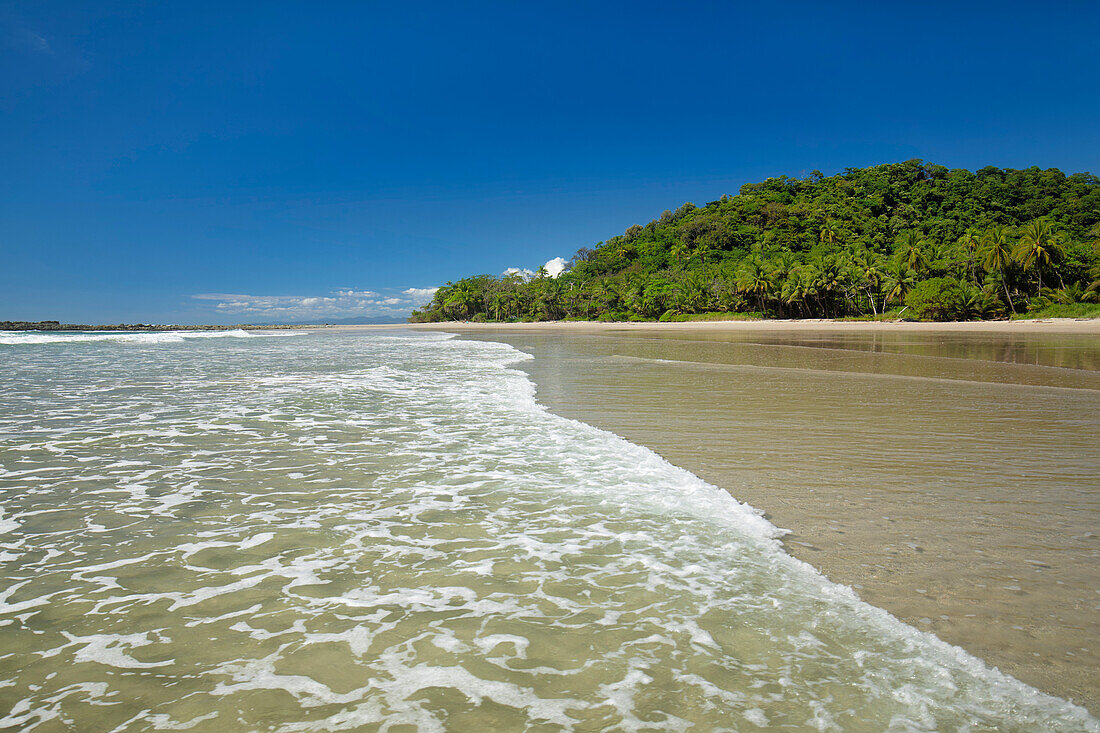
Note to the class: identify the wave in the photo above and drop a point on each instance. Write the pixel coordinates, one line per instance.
(391, 529)
(125, 337)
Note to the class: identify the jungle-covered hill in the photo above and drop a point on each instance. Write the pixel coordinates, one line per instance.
(946, 243)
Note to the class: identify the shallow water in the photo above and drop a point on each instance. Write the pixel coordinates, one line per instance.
(959, 492)
(339, 531)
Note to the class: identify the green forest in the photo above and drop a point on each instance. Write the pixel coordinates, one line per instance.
(908, 240)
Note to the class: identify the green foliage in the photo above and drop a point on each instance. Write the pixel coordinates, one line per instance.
(671, 317)
(942, 299)
(1063, 310)
(849, 245)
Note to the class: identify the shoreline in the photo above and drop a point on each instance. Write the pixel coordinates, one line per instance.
(1083, 326)
(979, 569)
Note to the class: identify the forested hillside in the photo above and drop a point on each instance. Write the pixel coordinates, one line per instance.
(937, 243)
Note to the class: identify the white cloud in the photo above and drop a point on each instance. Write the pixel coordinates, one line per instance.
(524, 273)
(420, 296)
(556, 266)
(341, 303)
(553, 268)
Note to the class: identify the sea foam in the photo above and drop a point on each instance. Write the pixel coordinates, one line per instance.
(354, 530)
(121, 337)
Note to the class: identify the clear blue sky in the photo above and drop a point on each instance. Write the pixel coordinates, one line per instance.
(281, 160)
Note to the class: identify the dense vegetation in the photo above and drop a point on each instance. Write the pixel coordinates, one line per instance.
(910, 237)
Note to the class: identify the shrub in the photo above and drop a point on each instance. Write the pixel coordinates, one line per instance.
(941, 299)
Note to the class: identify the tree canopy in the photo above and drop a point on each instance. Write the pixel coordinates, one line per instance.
(846, 245)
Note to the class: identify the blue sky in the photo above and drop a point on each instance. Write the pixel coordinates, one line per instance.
(248, 162)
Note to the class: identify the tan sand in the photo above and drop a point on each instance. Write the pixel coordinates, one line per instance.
(948, 472)
(1031, 326)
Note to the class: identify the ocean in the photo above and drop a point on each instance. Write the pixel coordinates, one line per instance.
(385, 531)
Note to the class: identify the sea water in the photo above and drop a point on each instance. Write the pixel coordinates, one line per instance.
(342, 531)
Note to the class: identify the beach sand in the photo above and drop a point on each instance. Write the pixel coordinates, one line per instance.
(948, 472)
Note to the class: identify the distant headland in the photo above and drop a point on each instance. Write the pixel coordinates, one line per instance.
(902, 240)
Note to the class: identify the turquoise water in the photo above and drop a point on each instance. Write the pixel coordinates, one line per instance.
(330, 531)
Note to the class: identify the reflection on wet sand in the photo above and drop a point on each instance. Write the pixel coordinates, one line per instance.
(951, 478)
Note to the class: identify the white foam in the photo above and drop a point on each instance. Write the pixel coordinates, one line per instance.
(109, 650)
(372, 524)
(127, 337)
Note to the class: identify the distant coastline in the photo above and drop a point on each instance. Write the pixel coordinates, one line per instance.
(58, 326)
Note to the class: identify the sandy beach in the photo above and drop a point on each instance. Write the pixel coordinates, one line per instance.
(1083, 326)
(947, 472)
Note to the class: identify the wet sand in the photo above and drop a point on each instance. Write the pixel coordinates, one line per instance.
(951, 475)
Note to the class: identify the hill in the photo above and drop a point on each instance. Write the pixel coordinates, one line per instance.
(947, 244)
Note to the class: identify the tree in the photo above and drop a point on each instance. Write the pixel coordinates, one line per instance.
(461, 299)
(754, 279)
(798, 286)
(910, 250)
(1039, 245)
(869, 276)
(854, 242)
(969, 245)
(678, 251)
(1075, 293)
(941, 299)
(997, 256)
(898, 280)
(831, 274)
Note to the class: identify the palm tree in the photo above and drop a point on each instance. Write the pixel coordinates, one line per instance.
(797, 287)
(1074, 293)
(678, 251)
(898, 280)
(703, 251)
(970, 243)
(785, 261)
(910, 250)
(691, 294)
(605, 294)
(548, 299)
(869, 275)
(810, 275)
(498, 302)
(997, 256)
(631, 290)
(831, 279)
(753, 278)
(461, 298)
(1039, 245)
(828, 233)
(784, 267)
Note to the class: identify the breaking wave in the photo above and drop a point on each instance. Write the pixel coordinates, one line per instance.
(121, 337)
(358, 530)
